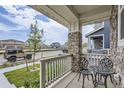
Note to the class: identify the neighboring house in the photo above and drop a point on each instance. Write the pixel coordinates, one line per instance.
(99, 39)
(11, 43)
(44, 46)
(55, 45)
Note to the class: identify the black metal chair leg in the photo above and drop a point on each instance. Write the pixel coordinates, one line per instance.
(120, 79)
(83, 81)
(105, 81)
(93, 79)
(100, 77)
(95, 75)
(111, 79)
(88, 77)
(79, 76)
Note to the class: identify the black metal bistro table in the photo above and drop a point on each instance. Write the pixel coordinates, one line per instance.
(97, 71)
(105, 73)
(94, 69)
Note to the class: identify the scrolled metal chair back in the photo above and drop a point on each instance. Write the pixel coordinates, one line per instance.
(83, 63)
(106, 63)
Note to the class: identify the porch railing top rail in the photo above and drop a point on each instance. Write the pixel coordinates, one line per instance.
(54, 57)
(99, 51)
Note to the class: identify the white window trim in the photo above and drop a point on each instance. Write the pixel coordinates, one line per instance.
(120, 41)
(103, 24)
(98, 36)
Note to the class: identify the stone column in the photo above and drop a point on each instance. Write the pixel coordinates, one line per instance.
(75, 45)
(113, 29)
(114, 34)
(117, 53)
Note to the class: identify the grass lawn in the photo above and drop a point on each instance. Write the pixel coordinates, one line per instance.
(19, 76)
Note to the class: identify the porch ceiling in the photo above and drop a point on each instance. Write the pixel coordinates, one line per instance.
(66, 14)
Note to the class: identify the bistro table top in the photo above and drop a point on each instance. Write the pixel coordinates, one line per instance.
(97, 69)
(106, 72)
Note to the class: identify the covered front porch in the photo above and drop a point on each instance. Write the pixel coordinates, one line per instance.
(71, 82)
(62, 70)
(58, 73)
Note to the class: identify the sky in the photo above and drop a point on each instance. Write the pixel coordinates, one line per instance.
(85, 30)
(15, 23)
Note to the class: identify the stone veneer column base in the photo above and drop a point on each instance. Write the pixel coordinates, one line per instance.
(75, 48)
(118, 59)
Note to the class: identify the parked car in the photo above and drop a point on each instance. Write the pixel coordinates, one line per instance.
(12, 54)
(65, 50)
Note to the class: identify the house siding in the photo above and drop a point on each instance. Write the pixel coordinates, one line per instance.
(106, 32)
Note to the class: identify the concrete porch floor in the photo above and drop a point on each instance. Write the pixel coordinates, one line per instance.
(70, 81)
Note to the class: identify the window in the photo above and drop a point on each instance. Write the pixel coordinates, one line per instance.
(12, 51)
(20, 51)
(98, 42)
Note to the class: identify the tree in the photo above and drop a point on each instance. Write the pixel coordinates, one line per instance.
(65, 46)
(35, 40)
(56, 45)
(84, 45)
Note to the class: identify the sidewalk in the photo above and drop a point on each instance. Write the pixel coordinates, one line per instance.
(4, 83)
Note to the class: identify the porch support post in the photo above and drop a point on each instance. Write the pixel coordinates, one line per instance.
(114, 29)
(75, 44)
(89, 43)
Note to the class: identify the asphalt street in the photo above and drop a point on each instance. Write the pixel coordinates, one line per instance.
(38, 55)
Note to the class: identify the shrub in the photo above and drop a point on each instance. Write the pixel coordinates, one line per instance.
(32, 83)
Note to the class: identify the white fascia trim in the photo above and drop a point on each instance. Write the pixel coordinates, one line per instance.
(94, 31)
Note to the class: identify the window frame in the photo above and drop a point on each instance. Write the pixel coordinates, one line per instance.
(120, 41)
(97, 36)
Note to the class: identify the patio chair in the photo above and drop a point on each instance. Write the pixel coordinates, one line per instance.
(84, 70)
(106, 65)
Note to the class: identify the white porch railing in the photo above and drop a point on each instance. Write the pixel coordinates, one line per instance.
(94, 59)
(99, 51)
(53, 68)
